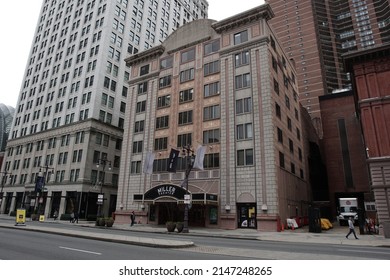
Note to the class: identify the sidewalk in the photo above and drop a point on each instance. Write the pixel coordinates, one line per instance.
(332, 236)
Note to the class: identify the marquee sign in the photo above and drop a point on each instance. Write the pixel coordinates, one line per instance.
(165, 190)
(175, 192)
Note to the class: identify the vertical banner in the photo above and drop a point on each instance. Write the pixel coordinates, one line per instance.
(172, 161)
(39, 183)
(148, 164)
(200, 153)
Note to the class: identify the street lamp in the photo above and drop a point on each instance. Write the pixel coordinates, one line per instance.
(41, 182)
(189, 157)
(103, 162)
(3, 179)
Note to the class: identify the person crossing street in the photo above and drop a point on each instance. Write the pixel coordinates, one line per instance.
(351, 228)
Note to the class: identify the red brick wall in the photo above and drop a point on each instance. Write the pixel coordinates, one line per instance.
(333, 108)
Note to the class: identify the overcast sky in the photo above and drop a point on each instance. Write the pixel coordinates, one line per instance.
(18, 20)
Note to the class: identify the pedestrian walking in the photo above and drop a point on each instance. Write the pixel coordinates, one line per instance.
(76, 217)
(132, 218)
(351, 228)
(55, 215)
(71, 217)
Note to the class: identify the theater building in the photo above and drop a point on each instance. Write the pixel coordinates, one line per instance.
(227, 87)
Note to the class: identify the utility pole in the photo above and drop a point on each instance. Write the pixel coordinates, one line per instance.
(41, 183)
(190, 157)
(100, 200)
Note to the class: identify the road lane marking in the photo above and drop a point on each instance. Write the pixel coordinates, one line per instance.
(79, 250)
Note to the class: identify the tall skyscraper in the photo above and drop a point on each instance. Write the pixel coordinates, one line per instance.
(316, 33)
(72, 103)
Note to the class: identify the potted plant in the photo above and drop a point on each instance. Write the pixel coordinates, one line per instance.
(170, 226)
(109, 222)
(179, 226)
(101, 222)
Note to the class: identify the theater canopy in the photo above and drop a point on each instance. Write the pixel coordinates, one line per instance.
(166, 192)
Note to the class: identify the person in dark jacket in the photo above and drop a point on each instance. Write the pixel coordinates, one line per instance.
(132, 218)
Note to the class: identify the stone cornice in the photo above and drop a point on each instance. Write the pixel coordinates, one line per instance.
(144, 55)
(84, 125)
(255, 14)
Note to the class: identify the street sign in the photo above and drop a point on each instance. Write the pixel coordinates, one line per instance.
(100, 199)
(187, 199)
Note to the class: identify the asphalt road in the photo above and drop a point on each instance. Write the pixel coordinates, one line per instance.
(20, 244)
(27, 245)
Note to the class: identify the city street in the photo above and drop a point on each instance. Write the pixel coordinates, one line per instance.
(17, 244)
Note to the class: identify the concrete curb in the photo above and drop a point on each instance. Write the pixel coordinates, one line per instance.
(140, 241)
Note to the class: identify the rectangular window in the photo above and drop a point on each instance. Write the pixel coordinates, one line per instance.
(186, 95)
(244, 105)
(137, 147)
(241, 58)
(211, 68)
(142, 88)
(185, 117)
(211, 161)
(123, 107)
(244, 131)
(187, 75)
(211, 89)
(164, 101)
(280, 135)
(166, 63)
(211, 136)
(211, 47)
(276, 87)
(291, 145)
(139, 126)
(165, 82)
(161, 144)
(278, 111)
(188, 55)
(211, 112)
(245, 157)
(243, 81)
(141, 107)
(162, 122)
(184, 140)
(241, 37)
(135, 167)
(281, 160)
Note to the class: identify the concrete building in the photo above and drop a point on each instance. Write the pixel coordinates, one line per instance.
(229, 87)
(317, 33)
(370, 70)
(71, 108)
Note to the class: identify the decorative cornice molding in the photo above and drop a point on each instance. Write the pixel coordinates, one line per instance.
(145, 55)
(260, 12)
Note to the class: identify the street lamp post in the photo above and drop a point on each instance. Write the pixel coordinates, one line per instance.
(189, 156)
(41, 183)
(3, 179)
(103, 162)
